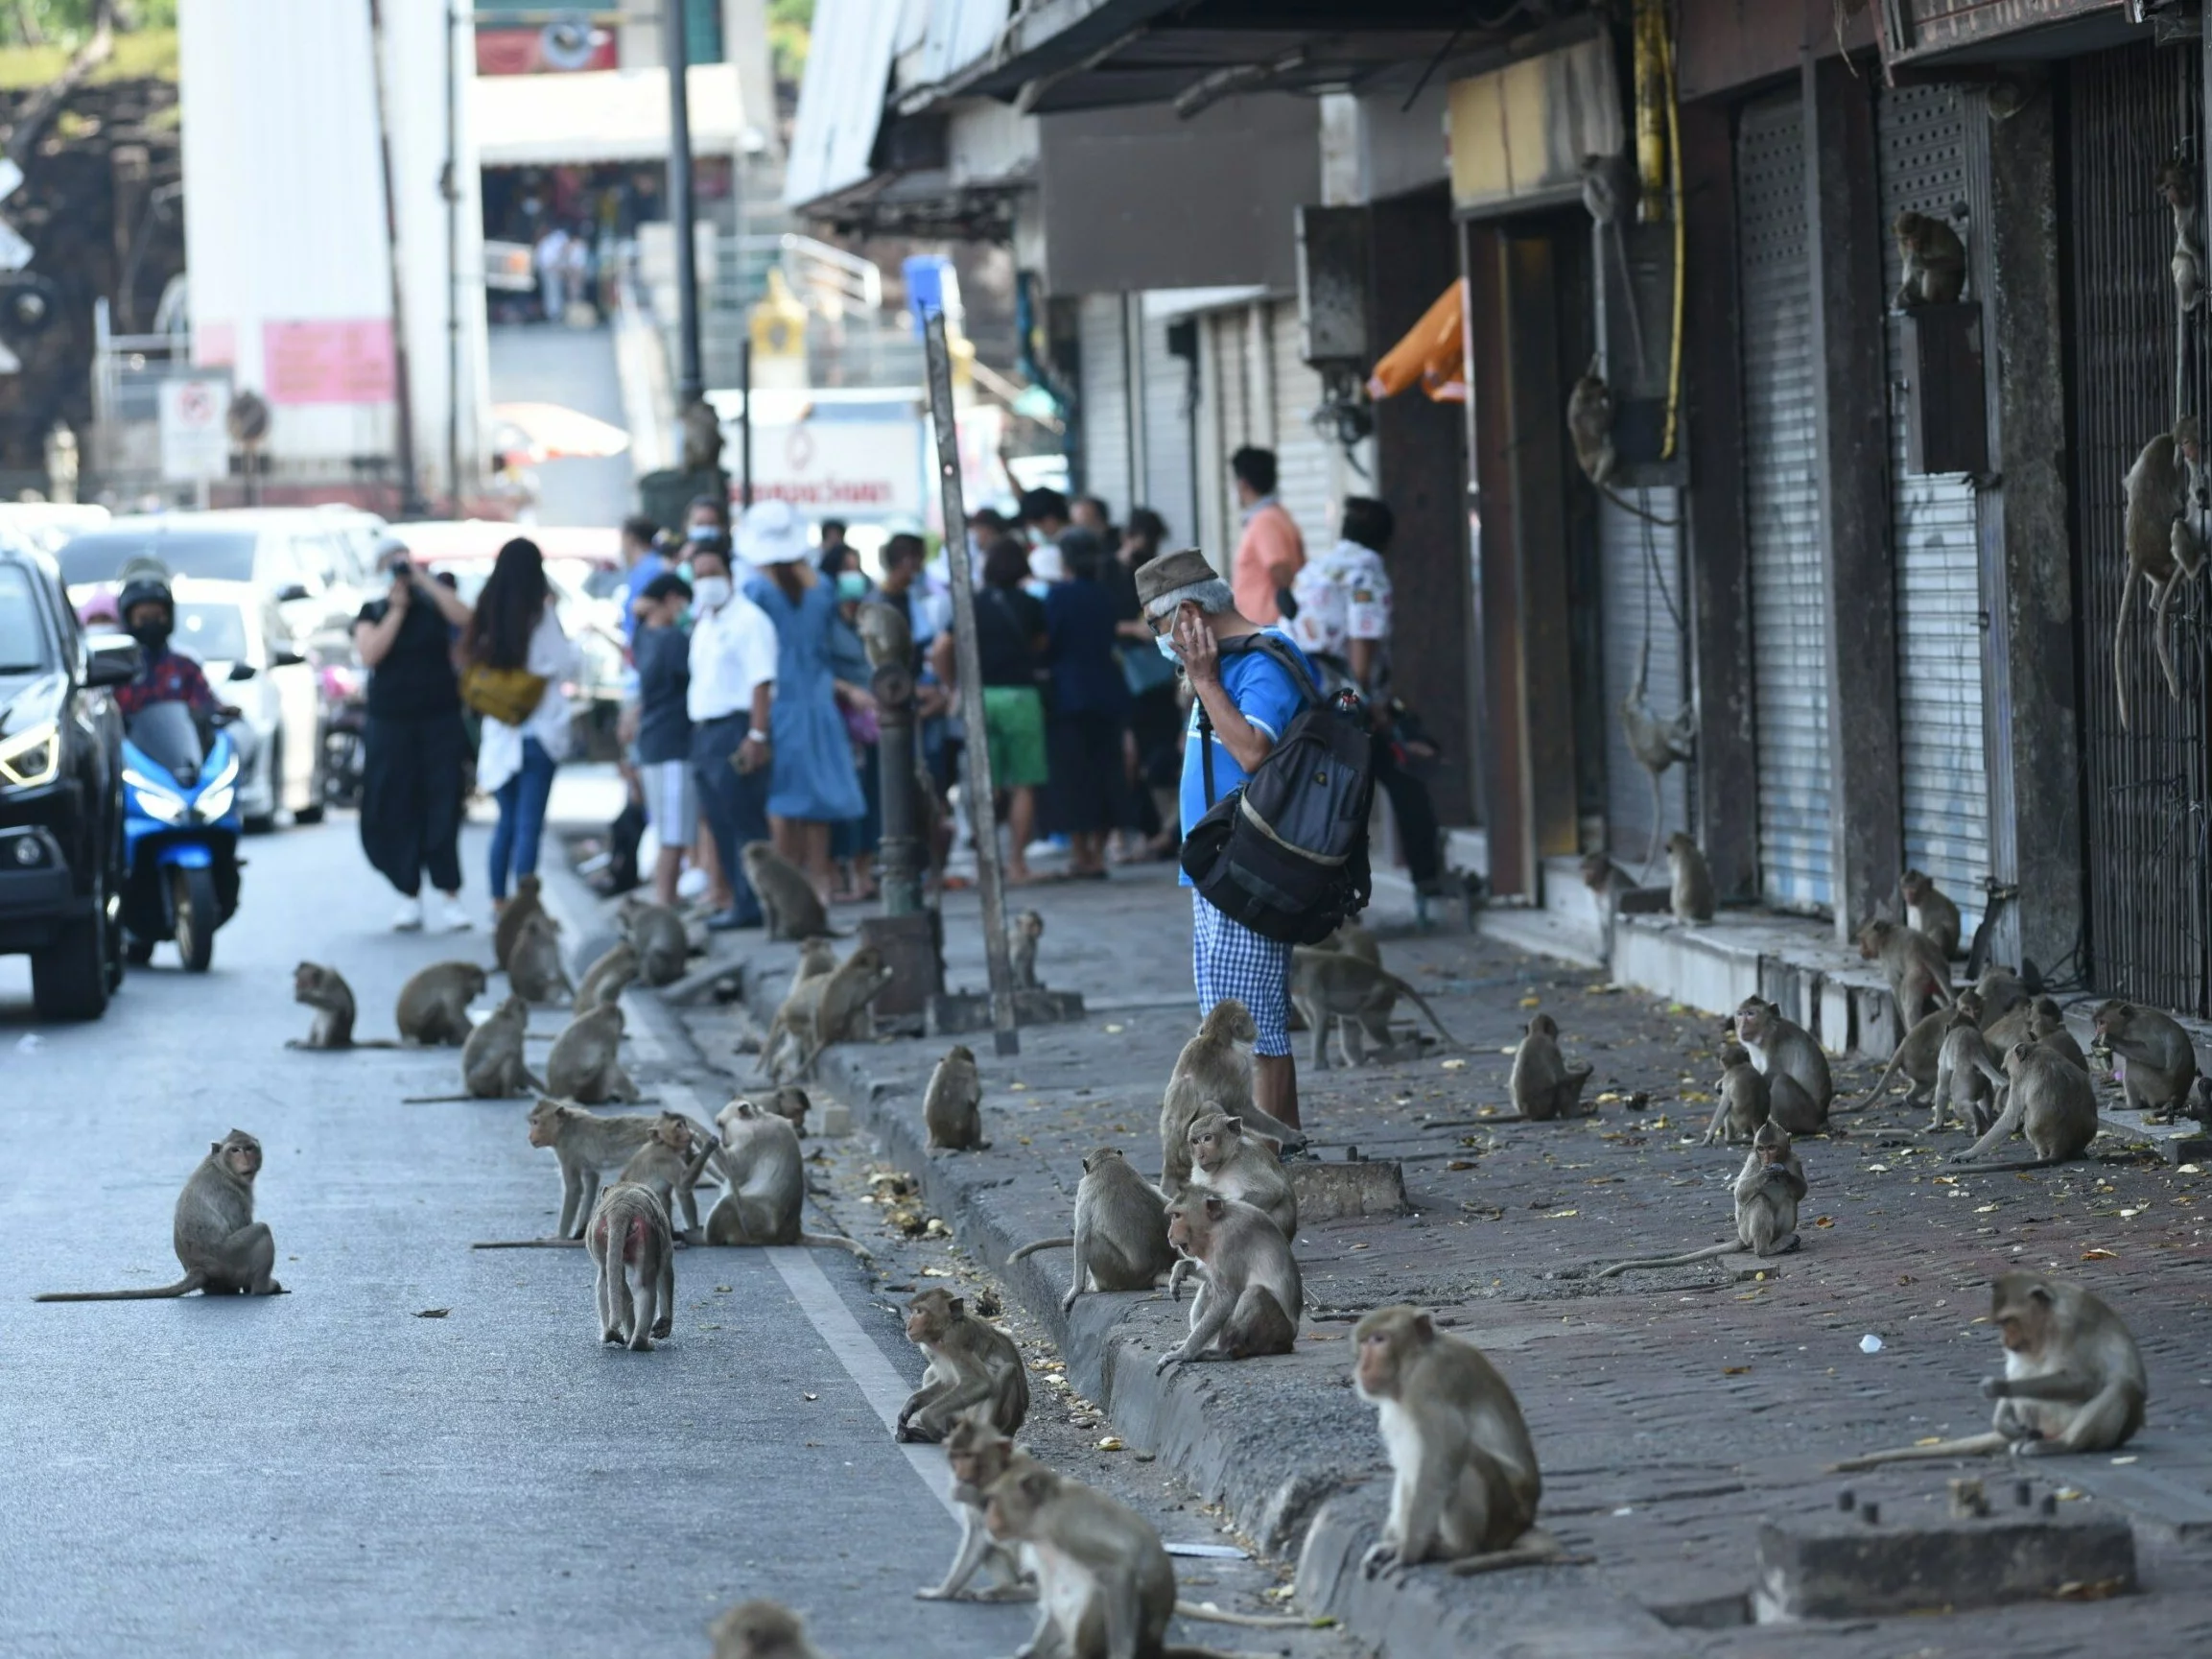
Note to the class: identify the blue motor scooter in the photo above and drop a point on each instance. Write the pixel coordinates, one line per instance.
(180, 829)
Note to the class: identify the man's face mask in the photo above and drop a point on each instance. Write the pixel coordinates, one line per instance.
(1167, 648)
(711, 592)
(702, 533)
(150, 628)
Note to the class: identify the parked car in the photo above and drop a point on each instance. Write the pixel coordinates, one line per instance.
(240, 640)
(47, 524)
(62, 874)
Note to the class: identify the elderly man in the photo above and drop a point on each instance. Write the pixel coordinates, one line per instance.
(1249, 699)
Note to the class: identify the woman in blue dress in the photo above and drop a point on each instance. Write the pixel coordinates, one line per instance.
(813, 784)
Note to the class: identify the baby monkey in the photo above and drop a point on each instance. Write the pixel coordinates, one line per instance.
(223, 1250)
(1767, 1192)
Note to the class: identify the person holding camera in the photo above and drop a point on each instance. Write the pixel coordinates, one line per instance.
(415, 747)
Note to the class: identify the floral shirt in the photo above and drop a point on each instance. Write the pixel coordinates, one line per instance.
(1342, 596)
(169, 677)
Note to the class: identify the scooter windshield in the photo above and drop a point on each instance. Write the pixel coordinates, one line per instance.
(166, 733)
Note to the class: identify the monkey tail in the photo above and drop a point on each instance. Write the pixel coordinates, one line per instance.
(1972, 1446)
(1207, 1613)
(2003, 1169)
(1422, 1003)
(1727, 1247)
(1881, 1084)
(2119, 641)
(435, 1100)
(183, 1287)
(1027, 1250)
(838, 1240)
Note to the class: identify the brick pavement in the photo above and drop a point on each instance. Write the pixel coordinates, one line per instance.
(1672, 1410)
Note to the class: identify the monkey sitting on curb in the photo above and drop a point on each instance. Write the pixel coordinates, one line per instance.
(794, 909)
(1022, 936)
(1120, 1236)
(2161, 1060)
(1767, 1190)
(972, 1364)
(223, 1249)
(2074, 1378)
(1218, 1062)
(952, 1104)
(1250, 1296)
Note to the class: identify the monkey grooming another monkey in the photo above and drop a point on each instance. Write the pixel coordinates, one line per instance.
(608, 977)
(669, 1165)
(1022, 936)
(1742, 1102)
(978, 1455)
(1250, 1296)
(533, 967)
(1223, 1161)
(326, 991)
(2049, 1100)
(1464, 1477)
(1934, 261)
(972, 1364)
(1917, 1057)
(762, 1164)
(584, 1066)
(762, 1629)
(2074, 1378)
(794, 909)
(1690, 888)
(1799, 1087)
(1919, 975)
(2161, 547)
(1767, 1192)
(1218, 1062)
(432, 1009)
(1931, 915)
(636, 1259)
(223, 1249)
(2161, 1060)
(1336, 989)
(491, 1061)
(656, 933)
(950, 1105)
(1544, 1086)
(1120, 1236)
(528, 902)
(2001, 991)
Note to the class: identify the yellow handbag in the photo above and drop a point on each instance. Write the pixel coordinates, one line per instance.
(509, 696)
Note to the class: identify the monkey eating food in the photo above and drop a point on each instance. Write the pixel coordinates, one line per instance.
(971, 1364)
(636, 1259)
(1120, 1236)
(2161, 1060)
(1767, 1192)
(1543, 1085)
(223, 1249)
(326, 991)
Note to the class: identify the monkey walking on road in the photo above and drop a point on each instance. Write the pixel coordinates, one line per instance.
(636, 1259)
(223, 1249)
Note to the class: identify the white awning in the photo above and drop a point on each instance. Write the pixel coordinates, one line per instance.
(595, 115)
(841, 99)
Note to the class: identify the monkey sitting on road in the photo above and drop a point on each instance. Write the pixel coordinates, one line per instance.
(971, 1364)
(1218, 1062)
(534, 968)
(608, 977)
(1250, 1296)
(528, 902)
(670, 1164)
(1963, 1068)
(1120, 1236)
(2161, 1060)
(1336, 989)
(1800, 1087)
(1022, 936)
(1690, 889)
(1918, 975)
(491, 1062)
(978, 1455)
(584, 1065)
(1768, 1190)
(1934, 258)
(1742, 1103)
(326, 991)
(1931, 915)
(767, 1183)
(1919, 1056)
(636, 1259)
(787, 898)
(2049, 1100)
(656, 933)
(1544, 1086)
(2074, 1378)
(1464, 1483)
(223, 1249)
(762, 1630)
(432, 1009)
(950, 1105)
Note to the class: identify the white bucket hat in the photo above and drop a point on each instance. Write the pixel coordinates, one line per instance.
(771, 533)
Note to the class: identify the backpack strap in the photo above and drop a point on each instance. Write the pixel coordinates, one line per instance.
(1272, 647)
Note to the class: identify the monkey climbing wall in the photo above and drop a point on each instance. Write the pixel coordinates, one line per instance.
(1943, 778)
(1781, 509)
(2144, 791)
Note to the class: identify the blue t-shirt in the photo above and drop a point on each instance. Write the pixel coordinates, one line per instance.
(1262, 691)
(646, 568)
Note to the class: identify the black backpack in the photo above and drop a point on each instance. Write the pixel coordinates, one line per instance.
(1286, 854)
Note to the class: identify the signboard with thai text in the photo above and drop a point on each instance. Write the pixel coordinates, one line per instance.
(334, 361)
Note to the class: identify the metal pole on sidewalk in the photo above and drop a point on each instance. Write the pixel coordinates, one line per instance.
(746, 421)
(981, 813)
(691, 377)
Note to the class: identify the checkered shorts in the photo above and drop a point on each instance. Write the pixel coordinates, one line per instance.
(1229, 960)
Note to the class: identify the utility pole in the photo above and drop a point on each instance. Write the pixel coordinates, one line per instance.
(691, 378)
(451, 186)
(411, 502)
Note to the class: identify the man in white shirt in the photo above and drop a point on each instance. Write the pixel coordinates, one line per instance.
(733, 660)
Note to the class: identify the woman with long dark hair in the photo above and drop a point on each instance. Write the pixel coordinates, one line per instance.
(516, 658)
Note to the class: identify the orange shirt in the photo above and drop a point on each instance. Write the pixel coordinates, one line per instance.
(1268, 555)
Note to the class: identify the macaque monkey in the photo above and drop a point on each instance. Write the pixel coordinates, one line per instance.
(1917, 1057)
(2178, 185)
(1656, 745)
(1022, 936)
(2161, 546)
(762, 1629)
(584, 1066)
(432, 1009)
(1180, 1107)
(2047, 1030)
(791, 1103)
(1218, 1061)
(1930, 914)
(636, 1259)
(1934, 261)
(585, 1144)
(840, 1003)
(1223, 1161)
(818, 957)
(1464, 1477)
(2161, 1060)
(1606, 879)
(608, 977)
(533, 966)
(526, 902)
(1919, 975)
(2049, 1100)
(2001, 991)
(1800, 1088)
(326, 991)
(223, 1249)
(766, 1183)
(1105, 1586)
(1690, 888)
(2074, 1379)
(971, 1364)
(656, 933)
(669, 1163)
(1963, 1068)
(787, 898)
(1742, 1103)
(950, 1106)
(1544, 1086)
(1609, 187)
(1249, 1293)
(492, 1063)
(1768, 1190)
(978, 1455)
(1335, 990)
(1120, 1236)
(1589, 412)
(1353, 940)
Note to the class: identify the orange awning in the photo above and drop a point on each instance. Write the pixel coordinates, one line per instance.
(1431, 355)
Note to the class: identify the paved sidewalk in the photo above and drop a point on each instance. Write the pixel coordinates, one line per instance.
(1673, 1411)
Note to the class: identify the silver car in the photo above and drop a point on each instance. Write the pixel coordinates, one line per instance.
(239, 638)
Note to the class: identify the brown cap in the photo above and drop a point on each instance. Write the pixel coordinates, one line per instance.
(1171, 571)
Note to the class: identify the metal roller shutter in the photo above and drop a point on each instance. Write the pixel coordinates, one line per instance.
(1781, 510)
(1922, 134)
(1631, 599)
(1169, 478)
(1302, 457)
(1105, 398)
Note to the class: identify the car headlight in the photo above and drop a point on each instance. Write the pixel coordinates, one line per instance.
(214, 803)
(31, 757)
(155, 800)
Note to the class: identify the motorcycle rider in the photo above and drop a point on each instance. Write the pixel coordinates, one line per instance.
(148, 614)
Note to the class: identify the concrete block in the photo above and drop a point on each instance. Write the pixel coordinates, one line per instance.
(1837, 1028)
(1333, 1192)
(1840, 1566)
(1879, 1031)
(830, 1117)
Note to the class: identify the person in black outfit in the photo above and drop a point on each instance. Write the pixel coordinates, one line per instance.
(416, 747)
(1009, 640)
(1090, 707)
(663, 653)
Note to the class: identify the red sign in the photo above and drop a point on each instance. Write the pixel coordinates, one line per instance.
(328, 362)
